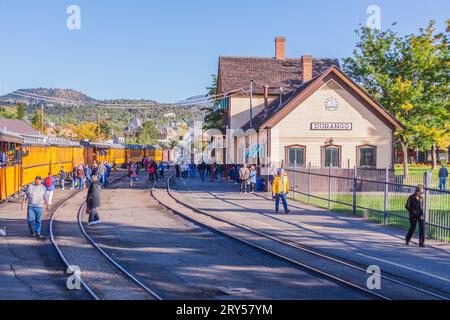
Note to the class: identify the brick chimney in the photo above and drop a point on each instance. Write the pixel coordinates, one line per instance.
(280, 48)
(307, 65)
(266, 99)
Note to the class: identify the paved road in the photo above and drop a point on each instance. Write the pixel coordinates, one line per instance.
(180, 260)
(341, 235)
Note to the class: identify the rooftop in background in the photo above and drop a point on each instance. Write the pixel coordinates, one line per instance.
(236, 72)
(276, 72)
(18, 126)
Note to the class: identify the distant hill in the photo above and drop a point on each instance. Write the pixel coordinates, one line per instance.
(66, 106)
(47, 96)
(69, 97)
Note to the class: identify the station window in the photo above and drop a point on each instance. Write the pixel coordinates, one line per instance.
(367, 156)
(296, 156)
(331, 156)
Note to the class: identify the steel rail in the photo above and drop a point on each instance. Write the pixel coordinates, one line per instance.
(95, 245)
(308, 250)
(255, 246)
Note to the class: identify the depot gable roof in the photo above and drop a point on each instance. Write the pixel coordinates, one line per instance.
(276, 112)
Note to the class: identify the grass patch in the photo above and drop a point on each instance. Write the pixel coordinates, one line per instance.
(439, 209)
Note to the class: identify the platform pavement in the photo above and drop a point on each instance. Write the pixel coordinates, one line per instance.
(337, 234)
(31, 269)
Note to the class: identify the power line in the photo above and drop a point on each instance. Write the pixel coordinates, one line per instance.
(119, 106)
(127, 105)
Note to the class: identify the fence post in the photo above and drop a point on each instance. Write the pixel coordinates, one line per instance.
(426, 208)
(329, 188)
(386, 199)
(309, 182)
(354, 189)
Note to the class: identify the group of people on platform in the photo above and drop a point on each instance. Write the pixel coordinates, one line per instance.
(244, 175)
(40, 192)
(156, 171)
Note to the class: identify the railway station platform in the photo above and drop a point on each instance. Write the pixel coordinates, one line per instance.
(343, 236)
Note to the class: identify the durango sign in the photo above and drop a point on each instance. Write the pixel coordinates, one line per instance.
(331, 126)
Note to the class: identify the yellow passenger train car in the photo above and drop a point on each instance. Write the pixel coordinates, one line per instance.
(106, 152)
(37, 157)
(154, 153)
(23, 157)
(10, 164)
(134, 153)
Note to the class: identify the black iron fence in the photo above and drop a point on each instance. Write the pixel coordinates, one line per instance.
(373, 194)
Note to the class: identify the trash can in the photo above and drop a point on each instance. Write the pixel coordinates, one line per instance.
(259, 184)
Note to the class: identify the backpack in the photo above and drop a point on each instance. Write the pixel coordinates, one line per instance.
(151, 170)
(48, 181)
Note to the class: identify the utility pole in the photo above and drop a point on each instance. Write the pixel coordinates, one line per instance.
(251, 103)
(42, 117)
(98, 124)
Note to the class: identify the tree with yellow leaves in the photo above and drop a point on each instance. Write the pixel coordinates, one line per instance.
(86, 131)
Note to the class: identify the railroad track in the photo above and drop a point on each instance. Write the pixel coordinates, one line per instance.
(396, 289)
(124, 284)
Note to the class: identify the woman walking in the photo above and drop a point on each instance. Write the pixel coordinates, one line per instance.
(133, 174)
(414, 205)
(93, 201)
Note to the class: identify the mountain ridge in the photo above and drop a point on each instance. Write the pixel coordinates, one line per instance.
(68, 97)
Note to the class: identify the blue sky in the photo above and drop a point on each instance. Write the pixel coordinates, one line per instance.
(166, 50)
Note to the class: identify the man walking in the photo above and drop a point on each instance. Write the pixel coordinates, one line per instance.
(414, 205)
(36, 196)
(93, 201)
(80, 176)
(62, 178)
(201, 170)
(280, 187)
(102, 173)
(244, 175)
(443, 175)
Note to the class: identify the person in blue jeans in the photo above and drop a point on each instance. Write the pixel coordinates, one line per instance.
(280, 187)
(443, 175)
(36, 196)
(108, 173)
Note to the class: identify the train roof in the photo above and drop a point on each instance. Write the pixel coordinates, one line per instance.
(135, 146)
(6, 136)
(35, 140)
(62, 142)
(103, 145)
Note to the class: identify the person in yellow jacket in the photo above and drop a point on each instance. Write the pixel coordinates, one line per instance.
(280, 188)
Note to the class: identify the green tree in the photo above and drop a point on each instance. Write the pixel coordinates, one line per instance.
(148, 134)
(36, 120)
(402, 73)
(20, 111)
(214, 115)
(106, 130)
(427, 57)
(5, 112)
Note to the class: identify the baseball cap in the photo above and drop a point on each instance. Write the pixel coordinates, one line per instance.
(38, 178)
